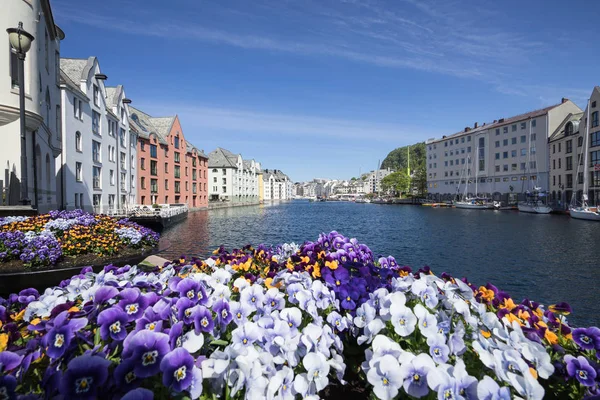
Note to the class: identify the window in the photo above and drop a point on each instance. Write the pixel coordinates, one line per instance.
(553, 149)
(111, 177)
(166, 184)
(154, 185)
(580, 141)
(187, 186)
(513, 167)
(215, 179)
(224, 181)
(595, 178)
(111, 153)
(569, 129)
(532, 165)
(594, 158)
(451, 162)
(497, 156)
(595, 137)
(533, 137)
(554, 180)
(224, 189)
(505, 168)
(497, 168)
(533, 123)
(176, 142)
(513, 140)
(123, 160)
(523, 125)
(513, 153)
(468, 138)
(523, 152)
(194, 162)
(469, 149)
(569, 180)
(194, 174)
(96, 156)
(153, 169)
(505, 129)
(505, 142)
(143, 182)
(78, 141)
(111, 128)
(166, 151)
(559, 163)
(177, 171)
(523, 166)
(514, 127)
(143, 163)
(176, 157)
(142, 145)
(97, 200)
(186, 171)
(166, 168)
(224, 171)
(194, 188)
(594, 119)
(96, 96)
(505, 154)
(445, 144)
(497, 131)
(569, 145)
(14, 68)
(580, 178)
(177, 187)
(78, 175)
(122, 137)
(95, 122)
(462, 139)
(559, 147)
(153, 150)
(97, 175)
(569, 162)
(497, 143)
(532, 149)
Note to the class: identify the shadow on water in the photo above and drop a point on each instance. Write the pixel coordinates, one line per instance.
(547, 258)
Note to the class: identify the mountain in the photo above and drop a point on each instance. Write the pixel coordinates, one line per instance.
(398, 159)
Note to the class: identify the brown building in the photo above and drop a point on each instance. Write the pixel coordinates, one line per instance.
(171, 170)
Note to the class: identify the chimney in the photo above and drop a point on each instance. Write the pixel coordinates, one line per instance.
(475, 125)
(563, 100)
(467, 129)
(495, 121)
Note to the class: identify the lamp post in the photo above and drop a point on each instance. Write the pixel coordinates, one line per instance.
(20, 40)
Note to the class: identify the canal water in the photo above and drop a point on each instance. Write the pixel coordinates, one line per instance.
(546, 258)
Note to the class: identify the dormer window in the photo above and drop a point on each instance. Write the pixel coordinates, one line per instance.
(176, 142)
(96, 95)
(569, 129)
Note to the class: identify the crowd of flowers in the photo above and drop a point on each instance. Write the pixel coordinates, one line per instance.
(289, 322)
(46, 239)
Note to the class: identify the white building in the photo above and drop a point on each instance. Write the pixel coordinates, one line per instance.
(506, 157)
(277, 185)
(42, 104)
(373, 181)
(232, 179)
(98, 165)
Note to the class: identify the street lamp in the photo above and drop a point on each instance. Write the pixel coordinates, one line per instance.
(20, 41)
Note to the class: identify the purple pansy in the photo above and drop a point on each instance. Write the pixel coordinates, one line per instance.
(147, 349)
(176, 368)
(580, 369)
(83, 376)
(133, 303)
(60, 333)
(224, 315)
(203, 320)
(587, 338)
(113, 323)
(139, 394)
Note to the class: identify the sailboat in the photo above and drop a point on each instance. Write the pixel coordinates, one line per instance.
(472, 203)
(534, 199)
(584, 211)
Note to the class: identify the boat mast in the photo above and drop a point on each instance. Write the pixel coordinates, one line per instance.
(476, 170)
(377, 177)
(409, 160)
(584, 196)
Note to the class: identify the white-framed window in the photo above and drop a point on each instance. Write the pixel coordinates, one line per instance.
(96, 123)
(96, 95)
(76, 200)
(123, 160)
(111, 177)
(78, 173)
(122, 137)
(123, 181)
(78, 143)
(96, 151)
(97, 178)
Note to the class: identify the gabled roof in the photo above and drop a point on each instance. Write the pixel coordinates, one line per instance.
(77, 68)
(559, 132)
(65, 80)
(163, 125)
(112, 95)
(144, 124)
(222, 158)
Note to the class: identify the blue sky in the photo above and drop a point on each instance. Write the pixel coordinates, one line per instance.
(326, 88)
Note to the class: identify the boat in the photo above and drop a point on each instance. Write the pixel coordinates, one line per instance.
(584, 211)
(534, 199)
(471, 203)
(362, 200)
(534, 203)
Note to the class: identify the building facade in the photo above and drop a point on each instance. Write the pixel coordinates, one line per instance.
(277, 185)
(500, 160)
(171, 170)
(231, 178)
(97, 170)
(373, 181)
(42, 105)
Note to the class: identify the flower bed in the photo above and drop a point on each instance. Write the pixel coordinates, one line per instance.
(290, 321)
(45, 240)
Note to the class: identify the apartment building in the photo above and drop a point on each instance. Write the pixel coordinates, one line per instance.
(43, 139)
(501, 159)
(171, 169)
(277, 185)
(231, 178)
(97, 171)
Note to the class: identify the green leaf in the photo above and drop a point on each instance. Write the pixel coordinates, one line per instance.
(218, 342)
(97, 337)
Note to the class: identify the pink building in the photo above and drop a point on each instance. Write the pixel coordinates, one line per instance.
(171, 170)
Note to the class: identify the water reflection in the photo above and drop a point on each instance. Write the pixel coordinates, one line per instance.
(547, 258)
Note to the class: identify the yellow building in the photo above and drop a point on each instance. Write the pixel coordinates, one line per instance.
(261, 186)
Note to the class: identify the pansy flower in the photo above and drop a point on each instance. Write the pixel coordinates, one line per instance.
(133, 302)
(146, 349)
(113, 323)
(203, 320)
(176, 368)
(84, 375)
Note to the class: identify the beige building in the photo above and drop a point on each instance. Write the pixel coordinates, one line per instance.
(500, 159)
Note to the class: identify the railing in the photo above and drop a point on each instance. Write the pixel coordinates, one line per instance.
(163, 211)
